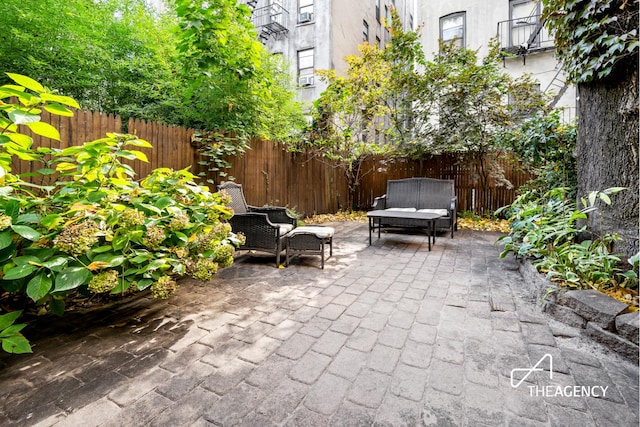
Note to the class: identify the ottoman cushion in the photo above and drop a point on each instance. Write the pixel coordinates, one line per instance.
(318, 231)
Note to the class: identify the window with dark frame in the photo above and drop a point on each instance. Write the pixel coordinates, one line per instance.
(387, 17)
(305, 67)
(365, 31)
(452, 29)
(378, 11)
(305, 11)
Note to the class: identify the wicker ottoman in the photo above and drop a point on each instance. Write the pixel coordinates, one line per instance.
(309, 240)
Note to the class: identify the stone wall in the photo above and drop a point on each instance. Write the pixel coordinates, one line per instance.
(602, 318)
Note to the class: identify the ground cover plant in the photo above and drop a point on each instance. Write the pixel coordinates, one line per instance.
(551, 231)
(96, 230)
(598, 45)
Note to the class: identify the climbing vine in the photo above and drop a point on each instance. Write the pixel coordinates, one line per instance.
(592, 37)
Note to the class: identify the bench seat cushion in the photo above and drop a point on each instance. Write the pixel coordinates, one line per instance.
(441, 212)
(401, 209)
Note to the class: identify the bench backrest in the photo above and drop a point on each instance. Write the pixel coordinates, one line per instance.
(420, 193)
(402, 193)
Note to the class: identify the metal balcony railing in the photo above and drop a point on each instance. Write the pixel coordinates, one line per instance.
(525, 35)
(270, 21)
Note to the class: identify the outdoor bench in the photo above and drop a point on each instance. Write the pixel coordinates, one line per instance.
(416, 197)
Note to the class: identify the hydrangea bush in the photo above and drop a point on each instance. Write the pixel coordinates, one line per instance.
(97, 230)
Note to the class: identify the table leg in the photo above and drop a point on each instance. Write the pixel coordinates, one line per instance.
(433, 231)
(370, 226)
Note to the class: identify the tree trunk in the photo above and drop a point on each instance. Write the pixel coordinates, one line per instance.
(607, 152)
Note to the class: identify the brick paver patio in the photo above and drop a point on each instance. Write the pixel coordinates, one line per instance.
(389, 334)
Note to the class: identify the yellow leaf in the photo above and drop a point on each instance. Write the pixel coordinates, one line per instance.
(44, 129)
(81, 207)
(118, 325)
(140, 155)
(97, 265)
(65, 166)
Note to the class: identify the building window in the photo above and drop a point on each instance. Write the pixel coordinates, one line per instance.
(305, 11)
(387, 18)
(378, 11)
(452, 29)
(377, 41)
(365, 31)
(524, 17)
(305, 67)
(411, 22)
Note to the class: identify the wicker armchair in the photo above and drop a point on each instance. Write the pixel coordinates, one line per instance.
(264, 228)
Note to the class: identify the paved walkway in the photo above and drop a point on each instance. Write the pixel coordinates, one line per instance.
(386, 335)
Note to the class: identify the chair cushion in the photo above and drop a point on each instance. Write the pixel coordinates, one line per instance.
(319, 231)
(441, 212)
(284, 228)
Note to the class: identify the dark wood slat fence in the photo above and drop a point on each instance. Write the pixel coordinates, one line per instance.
(271, 175)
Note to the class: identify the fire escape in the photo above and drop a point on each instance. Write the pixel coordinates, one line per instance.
(270, 21)
(527, 35)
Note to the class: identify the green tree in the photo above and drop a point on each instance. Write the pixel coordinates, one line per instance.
(235, 85)
(475, 101)
(406, 92)
(197, 64)
(349, 116)
(598, 45)
(545, 146)
(113, 55)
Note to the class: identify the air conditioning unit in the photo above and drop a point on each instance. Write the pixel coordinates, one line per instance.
(304, 17)
(305, 80)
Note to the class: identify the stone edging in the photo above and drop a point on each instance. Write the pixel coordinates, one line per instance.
(601, 318)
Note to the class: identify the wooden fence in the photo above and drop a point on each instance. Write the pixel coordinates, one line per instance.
(171, 145)
(270, 175)
(471, 195)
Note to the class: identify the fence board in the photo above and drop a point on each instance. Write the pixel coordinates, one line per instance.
(273, 176)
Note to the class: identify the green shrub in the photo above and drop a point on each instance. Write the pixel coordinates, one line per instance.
(97, 231)
(12, 340)
(545, 148)
(547, 230)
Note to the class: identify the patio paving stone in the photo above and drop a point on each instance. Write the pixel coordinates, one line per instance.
(386, 335)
